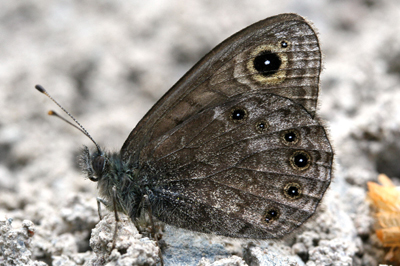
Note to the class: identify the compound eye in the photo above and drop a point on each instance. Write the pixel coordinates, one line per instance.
(98, 164)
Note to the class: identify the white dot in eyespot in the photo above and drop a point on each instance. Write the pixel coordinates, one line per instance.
(267, 62)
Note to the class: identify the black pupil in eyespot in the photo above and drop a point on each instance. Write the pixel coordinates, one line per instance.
(238, 114)
(271, 214)
(284, 44)
(290, 137)
(261, 125)
(267, 63)
(301, 160)
(293, 191)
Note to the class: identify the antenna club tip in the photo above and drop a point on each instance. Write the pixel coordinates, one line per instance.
(51, 112)
(40, 88)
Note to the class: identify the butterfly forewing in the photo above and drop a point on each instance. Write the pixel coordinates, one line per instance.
(229, 70)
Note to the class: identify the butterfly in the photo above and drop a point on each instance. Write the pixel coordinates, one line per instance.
(234, 148)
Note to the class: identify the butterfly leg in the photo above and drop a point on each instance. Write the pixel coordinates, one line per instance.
(114, 189)
(99, 201)
(153, 232)
(102, 201)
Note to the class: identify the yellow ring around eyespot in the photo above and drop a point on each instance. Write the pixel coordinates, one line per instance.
(280, 75)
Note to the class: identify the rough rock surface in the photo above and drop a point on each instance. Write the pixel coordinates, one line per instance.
(108, 61)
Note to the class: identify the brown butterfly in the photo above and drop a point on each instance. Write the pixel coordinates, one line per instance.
(234, 148)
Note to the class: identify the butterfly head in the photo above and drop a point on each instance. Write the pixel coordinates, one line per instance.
(101, 166)
(93, 164)
(106, 168)
(114, 178)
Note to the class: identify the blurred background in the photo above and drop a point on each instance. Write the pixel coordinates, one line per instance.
(107, 62)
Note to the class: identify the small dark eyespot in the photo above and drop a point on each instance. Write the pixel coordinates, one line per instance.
(293, 190)
(271, 214)
(300, 160)
(290, 137)
(267, 63)
(284, 44)
(261, 126)
(238, 114)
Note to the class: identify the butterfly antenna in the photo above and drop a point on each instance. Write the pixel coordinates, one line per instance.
(79, 127)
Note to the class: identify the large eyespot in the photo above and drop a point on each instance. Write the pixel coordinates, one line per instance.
(293, 190)
(267, 63)
(261, 126)
(98, 164)
(290, 137)
(271, 214)
(238, 114)
(300, 160)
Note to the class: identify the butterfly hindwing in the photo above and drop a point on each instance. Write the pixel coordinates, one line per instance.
(231, 172)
